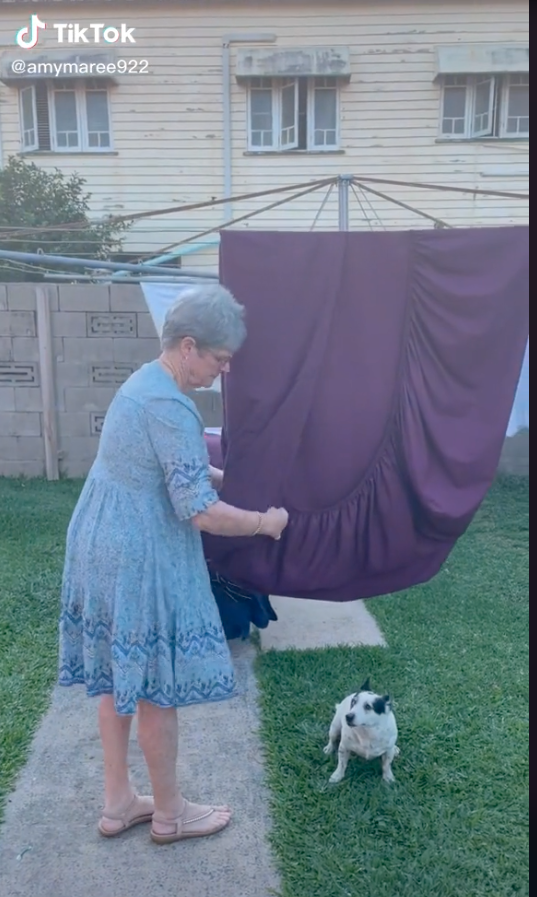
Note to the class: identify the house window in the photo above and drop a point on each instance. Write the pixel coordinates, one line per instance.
(65, 117)
(288, 114)
(481, 106)
(516, 110)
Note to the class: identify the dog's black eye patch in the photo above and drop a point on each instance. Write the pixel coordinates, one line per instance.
(354, 701)
(379, 706)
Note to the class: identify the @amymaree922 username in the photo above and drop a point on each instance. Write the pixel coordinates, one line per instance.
(66, 69)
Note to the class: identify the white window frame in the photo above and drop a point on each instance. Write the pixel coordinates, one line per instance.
(312, 87)
(286, 142)
(80, 90)
(490, 114)
(278, 144)
(31, 147)
(498, 109)
(252, 87)
(52, 91)
(506, 89)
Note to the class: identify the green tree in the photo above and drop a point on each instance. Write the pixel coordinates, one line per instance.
(48, 212)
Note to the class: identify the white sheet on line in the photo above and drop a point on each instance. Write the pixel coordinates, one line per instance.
(161, 296)
(520, 415)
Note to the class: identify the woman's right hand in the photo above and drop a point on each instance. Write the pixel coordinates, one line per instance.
(274, 522)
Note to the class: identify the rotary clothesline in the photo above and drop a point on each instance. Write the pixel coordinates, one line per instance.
(126, 272)
(160, 283)
(211, 203)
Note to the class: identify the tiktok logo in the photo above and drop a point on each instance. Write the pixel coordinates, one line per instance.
(27, 37)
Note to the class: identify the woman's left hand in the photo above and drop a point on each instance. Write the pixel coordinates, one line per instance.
(217, 477)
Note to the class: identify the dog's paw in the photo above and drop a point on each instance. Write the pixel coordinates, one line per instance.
(388, 777)
(329, 749)
(335, 778)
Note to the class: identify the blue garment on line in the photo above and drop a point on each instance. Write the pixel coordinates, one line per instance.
(138, 617)
(240, 608)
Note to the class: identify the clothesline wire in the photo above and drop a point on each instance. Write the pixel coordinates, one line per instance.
(24, 267)
(219, 227)
(90, 242)
(190, 207)
(360, 203)
(406, 206)
(373, 210)
(367, 199)
(322, 206)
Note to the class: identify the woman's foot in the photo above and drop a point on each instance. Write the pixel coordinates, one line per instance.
(140, 809)
(195, 821)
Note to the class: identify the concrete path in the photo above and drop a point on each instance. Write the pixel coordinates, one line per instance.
(49, 845)
(320, 624)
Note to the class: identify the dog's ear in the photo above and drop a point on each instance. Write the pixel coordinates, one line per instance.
(366, 686)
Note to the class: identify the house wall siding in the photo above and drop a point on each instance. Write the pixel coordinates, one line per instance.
(167, 124)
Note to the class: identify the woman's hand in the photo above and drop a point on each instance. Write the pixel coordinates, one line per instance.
(274, 522)
(217, 477)
(222, 519)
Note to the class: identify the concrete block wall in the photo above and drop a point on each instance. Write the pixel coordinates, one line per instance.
(101, 334)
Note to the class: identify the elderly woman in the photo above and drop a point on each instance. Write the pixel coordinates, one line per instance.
(139, 624)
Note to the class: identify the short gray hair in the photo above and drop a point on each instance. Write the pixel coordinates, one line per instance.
(208, 314)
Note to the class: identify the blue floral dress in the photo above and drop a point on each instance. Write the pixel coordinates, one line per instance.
(138, 617)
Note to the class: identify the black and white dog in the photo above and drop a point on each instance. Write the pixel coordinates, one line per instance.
(365, 725)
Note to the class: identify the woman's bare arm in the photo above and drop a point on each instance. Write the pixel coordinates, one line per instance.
(222, 519)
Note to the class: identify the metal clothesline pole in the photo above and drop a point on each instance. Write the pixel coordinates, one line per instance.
(344, 182)
(443, 188)
(360, 203)
(88, 278)
(63, 261)
(322, 206)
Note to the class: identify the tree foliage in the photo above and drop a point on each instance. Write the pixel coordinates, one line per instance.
(49, 212)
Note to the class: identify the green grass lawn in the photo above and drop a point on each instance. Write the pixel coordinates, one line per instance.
(456, 822)
(33, 520)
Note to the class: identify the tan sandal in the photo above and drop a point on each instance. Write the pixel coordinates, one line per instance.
(181, 824)
(140, 810)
